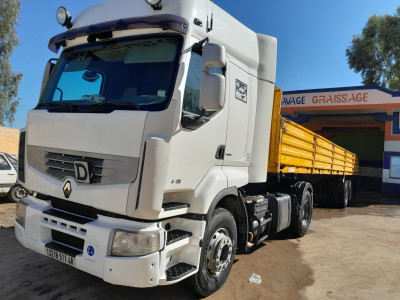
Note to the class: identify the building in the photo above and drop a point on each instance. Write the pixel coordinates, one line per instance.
(9, 139)
(362, 119)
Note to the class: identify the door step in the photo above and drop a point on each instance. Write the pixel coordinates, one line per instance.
(178, 271)
(173, 209)
(177, 235)
(174, 205)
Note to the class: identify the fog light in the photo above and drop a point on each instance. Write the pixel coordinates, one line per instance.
(63, 17)
(155, 4)
(134, 243)
(21, 212)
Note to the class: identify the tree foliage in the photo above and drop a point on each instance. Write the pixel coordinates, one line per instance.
(376, 51)
(9, 81)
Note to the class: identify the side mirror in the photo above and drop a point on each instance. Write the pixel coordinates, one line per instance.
(212, 91)
(212, 86)
(213, 56)
(90, 76)
(47, 71)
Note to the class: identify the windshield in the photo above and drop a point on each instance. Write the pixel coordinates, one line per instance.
(13, 160)
(119, 74)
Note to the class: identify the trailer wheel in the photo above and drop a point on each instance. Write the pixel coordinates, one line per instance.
(342, 198)
(301, 219)
(350, 192)
(217, 254)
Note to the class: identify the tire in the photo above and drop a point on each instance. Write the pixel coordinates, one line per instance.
(16, 193)
(350, 193)
(301, 219)
(342, 198)
(217, 254)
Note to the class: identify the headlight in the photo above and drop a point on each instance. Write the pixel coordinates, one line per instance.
(155, 4)
(63, 17)
(128, 243)
(21, 212)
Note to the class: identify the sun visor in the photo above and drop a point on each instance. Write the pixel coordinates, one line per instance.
(77, 65)
(144, 53)
(166, 22)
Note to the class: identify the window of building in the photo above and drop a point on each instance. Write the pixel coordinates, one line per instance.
(395, 167)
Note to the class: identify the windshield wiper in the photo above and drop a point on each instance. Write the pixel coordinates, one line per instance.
(56, 104)
(118, 105)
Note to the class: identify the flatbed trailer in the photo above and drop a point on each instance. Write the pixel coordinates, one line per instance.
(297, 153)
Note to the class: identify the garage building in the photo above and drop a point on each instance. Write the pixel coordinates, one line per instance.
(362, 119)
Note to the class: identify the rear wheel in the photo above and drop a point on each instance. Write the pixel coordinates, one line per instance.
(16, 192)
(217, 254)
(343, 196)
(350, 188)
(301, 219)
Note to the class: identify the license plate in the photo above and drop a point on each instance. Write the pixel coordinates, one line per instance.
(66, 259)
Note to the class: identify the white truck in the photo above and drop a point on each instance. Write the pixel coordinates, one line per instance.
(147, 152)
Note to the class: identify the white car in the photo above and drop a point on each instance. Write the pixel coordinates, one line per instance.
(8, 178)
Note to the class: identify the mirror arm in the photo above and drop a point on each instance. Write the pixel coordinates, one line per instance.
(198, 47)
(61, 93)
(203, 112)
(47, 71)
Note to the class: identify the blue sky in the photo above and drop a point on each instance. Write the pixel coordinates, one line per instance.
(312, 38)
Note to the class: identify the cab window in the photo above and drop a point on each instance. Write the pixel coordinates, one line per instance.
(192, 116)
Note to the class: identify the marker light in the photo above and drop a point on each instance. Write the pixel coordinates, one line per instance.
(63, 17)
(155, 4)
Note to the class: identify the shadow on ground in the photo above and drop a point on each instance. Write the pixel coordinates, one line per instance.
(5, 200)
(363, 203)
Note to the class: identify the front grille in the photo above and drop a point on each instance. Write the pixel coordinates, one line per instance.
(61, 165)
(81, 210)
(67, 239)
(21, 157)
(74, 208)
(103, 169)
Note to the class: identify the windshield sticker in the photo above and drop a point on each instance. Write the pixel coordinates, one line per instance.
(241, 91)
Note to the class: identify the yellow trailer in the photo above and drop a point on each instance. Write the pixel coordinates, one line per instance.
(296, 152)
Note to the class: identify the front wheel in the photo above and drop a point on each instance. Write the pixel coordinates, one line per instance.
(217, 254)
(16, 193)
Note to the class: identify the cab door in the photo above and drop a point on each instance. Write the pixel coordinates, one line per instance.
(238, 139)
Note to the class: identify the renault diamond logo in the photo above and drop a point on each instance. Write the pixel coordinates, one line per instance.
(67, 189)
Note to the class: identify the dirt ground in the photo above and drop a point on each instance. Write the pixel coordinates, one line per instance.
(348, 254)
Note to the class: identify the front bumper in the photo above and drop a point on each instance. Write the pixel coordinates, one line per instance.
(139, 271)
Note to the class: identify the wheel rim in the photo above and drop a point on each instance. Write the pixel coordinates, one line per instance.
(219, 252)
(305, 213)
(20, 192)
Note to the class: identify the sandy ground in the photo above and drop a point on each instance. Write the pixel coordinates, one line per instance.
(347, 254)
